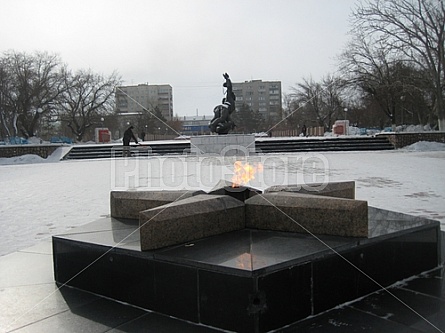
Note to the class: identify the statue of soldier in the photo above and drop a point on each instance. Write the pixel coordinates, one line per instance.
(221, 122)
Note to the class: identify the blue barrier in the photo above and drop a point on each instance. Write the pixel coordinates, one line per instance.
(60, 139)
(15, 140)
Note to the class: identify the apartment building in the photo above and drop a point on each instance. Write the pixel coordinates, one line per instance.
(262, 96)
(133, 99)
(195, 125)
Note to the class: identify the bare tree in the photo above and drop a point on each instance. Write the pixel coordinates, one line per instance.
(247, 120)
(89, 97)
(324, 100)
(367, 64)
(310, 93)
(385, 80)
(30, 86)
(414, 29)
(5, 112)
(333, 88)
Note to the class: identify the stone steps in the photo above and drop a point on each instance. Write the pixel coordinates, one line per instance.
(329, 144)
(265, 145)
(111, 151)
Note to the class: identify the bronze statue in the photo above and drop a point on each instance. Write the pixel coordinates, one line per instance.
(221, 122)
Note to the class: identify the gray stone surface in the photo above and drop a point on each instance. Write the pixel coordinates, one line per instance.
(190, 219)
(344, 190)
(128, 204)
(225, 145)
(294, 212)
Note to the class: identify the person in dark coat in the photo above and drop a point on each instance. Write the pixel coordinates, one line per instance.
(303, 130)
(128, 135)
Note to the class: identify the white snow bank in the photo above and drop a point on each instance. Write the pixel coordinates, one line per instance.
(425, 146)
(56, 156)
(23, 159)
(413, 128)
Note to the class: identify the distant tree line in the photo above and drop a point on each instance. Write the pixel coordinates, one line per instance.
(38, 92)
(392, 72)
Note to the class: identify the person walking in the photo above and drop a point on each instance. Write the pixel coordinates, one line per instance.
(303, 130)
(128, 135)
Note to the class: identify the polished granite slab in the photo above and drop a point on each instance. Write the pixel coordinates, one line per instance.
(413, 306)
(246, 280)
(32, 303)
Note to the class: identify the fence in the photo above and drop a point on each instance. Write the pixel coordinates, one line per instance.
(154, 137)
(17, 150)
(311, 131)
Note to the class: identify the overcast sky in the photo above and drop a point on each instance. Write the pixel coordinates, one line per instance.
(185, 43)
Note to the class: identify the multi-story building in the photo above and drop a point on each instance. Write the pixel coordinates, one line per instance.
(262, 96)
(195, 125)
(134, 99)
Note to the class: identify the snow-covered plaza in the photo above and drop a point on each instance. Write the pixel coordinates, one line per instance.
(40, 198)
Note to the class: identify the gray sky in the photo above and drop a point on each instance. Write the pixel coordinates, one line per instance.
(185, 43)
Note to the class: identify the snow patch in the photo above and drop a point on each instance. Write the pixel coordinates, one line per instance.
(425, 146)
(413, 128)
(23, 159)
(56, 156)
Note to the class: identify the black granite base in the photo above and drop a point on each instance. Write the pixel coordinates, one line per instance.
(247, 280)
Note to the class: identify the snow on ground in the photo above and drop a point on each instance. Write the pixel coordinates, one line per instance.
(425, 146)
(40, 198)
(32, 159)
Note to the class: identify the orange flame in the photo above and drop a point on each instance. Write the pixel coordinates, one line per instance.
(244, 172)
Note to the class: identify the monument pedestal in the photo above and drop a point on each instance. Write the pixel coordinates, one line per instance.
(246, 280)
(225, 145)
(253, 276)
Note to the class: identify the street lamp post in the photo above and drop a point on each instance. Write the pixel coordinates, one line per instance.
(39, 112)
(346, 125)
(402, 99)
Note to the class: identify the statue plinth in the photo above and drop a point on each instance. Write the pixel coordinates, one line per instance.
(225, 145)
